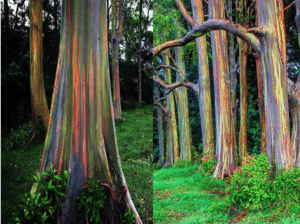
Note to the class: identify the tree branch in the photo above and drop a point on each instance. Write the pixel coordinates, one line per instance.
(186, 14)
(289, 6)
(161, 107)
(171, 87)
(170, 67)
(213, 24)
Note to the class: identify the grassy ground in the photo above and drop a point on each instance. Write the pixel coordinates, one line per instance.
(134, 136)
(182, 195)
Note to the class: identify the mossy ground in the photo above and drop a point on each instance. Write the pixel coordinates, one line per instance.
(134, 136)
(183, 195)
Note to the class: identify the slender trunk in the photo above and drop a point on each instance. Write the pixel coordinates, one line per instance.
(261, 104)
(140, 52)
(273, 56)
(40, 111)
(233, 79)
(185, 138)
(204, 95)
(81, 135)
(116, 37)
(243, 98)
(160, 131)
(172, 148)
(224, 131)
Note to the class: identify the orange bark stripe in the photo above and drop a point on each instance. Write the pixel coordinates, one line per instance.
(84, 153)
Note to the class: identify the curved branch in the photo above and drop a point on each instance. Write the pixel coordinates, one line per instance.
(161, 107)
(171, 87)
(170, 67)
(213, 24)
(186, 14)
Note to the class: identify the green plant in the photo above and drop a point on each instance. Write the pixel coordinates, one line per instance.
(183, 163)
(207, 166)
(92, 200)
(18, 138)
(156, 166)
(128, 217)
(40, 207)
(251, 183)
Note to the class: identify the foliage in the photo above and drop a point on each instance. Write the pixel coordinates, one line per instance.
(250, 183)
(183, 163)
(18, 138)
(207, 166)
(156, 166)
(40, 207)
(92, 200)
(128, 217)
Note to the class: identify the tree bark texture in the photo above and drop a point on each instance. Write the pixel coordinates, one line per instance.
(203, 91)
(116, 38)
(81, 135)
(181, 96)
(172, 147)
(40, 111)
(273, 57)
(140, 52)
(225, 140)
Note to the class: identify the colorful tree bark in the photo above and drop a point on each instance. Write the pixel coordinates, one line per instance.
(224, 131)
(160, 129)
(181, 96)
(116, 38)
(81, 135)
(203, 91)
(297, 3)
(40, 111)
(271, 35)
(172, 147)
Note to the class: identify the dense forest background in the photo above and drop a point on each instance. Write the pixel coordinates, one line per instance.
(15, 60)
(164, 14)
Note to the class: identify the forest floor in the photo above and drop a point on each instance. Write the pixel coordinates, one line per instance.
(182, 196)
(134, 135)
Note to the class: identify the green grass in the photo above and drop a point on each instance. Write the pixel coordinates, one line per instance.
(135, 146)
(183, 195)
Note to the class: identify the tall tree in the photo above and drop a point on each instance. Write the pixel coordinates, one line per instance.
(40, 111)
(81, 135)
(116, 38)
(181, 96)
(203, 90)
(140, 51)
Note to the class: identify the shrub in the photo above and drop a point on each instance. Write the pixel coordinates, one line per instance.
(18, 138)
(183, 163)
(251, 183)
(156, 166)
(207, 166)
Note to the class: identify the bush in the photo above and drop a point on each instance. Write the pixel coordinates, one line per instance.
(156, 166)
(207, 166)
(17, 139)
(183, 163)
(251, 183)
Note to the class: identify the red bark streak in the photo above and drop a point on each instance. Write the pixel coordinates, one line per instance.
(84, 150)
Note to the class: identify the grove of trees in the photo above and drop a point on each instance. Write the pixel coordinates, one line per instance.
(236, 42)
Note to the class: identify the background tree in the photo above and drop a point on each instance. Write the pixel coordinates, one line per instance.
(40, 111)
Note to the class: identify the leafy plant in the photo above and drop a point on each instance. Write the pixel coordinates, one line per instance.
(128, 217)
(17, 138)
(183, 163)
(207, 166)
(251, 184)
(92, 200)
(156, 166)
(40, 207)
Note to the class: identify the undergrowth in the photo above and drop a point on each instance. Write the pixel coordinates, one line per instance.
(252, 195)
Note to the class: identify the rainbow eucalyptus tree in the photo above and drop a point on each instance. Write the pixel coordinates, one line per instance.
(81, 135)
(203, 89)
(181, 96)
(116, 38)
(40, 111)
(172, 148)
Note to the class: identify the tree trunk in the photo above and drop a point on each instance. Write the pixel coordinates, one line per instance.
(40, 111)
(204, 95)
(297, 3)
(140, 52)
(181, 96)
(116, 37)
(6, 15)
(172, 148)
(160, 130)
(81, 135)
(224, 131)
(273, 56)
